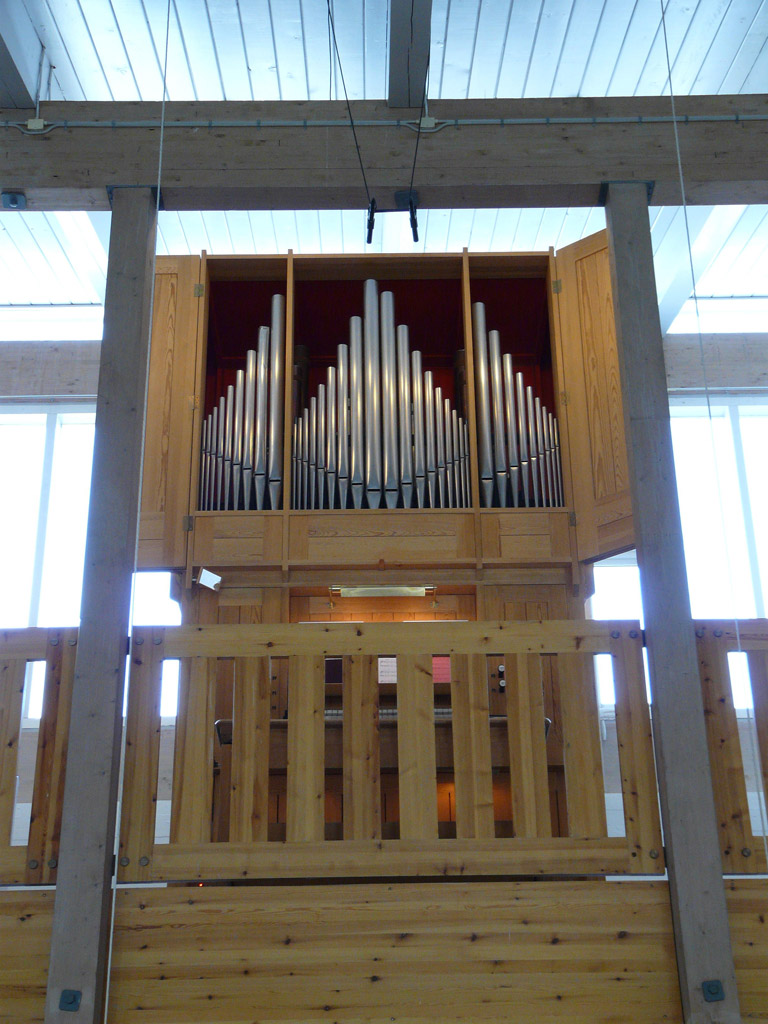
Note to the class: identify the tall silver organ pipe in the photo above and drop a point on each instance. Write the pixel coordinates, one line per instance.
(451, 500)
(356, 418)
(482, 393)
(372, 364)
(342, 421)
(522, 434)
(331, 439)
(243, 439)
(419, 455)
(532, 449)
(249, 426)
(389, 399)
(237, 440)
(511, 424)
(442, 482)
(500, 467)
(260, 442)
(305, 460)
(276, 397)
(312, 503)
(321, 468)
(204, 455)
(429, 428)
(404, 415)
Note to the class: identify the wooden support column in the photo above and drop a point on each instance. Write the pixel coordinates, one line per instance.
(690, 833)
(83, 904)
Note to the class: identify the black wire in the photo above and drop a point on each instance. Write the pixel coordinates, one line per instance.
(418, 130)
(346, 97)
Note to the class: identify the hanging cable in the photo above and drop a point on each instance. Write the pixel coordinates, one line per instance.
(707, 396)
(422, 114)
(371, 201)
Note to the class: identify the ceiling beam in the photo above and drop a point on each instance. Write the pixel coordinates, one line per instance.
(491, 153)
(410, 25)
(19, 57)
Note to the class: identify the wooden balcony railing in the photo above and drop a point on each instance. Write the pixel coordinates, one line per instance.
(366, 779)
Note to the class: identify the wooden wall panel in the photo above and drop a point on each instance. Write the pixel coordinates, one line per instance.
(11, 694)
(557, 953)
(25, 938)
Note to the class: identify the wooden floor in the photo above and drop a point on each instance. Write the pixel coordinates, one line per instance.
(513, 951)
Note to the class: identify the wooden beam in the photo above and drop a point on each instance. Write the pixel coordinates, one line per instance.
(84, 886)
(719, 361)
(486, 153)
(49, 369)
(693, 853)
(410, 25)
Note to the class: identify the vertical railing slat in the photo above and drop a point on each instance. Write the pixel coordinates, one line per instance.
(581, 747)
(11, 695)
(528, 771)
(305, 783)
(142, 756)
(638, 772)
(50, 766)
(471, 747)
(758, 675)
(417, 763)
(726, 765)
(192, 795)
(249, 797)
(361, 754)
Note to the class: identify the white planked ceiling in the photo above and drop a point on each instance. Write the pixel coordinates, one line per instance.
(279, 49)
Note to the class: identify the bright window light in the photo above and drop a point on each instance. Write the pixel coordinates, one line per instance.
(729, 315)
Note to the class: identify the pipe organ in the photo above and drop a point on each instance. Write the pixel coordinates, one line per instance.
(448, 416)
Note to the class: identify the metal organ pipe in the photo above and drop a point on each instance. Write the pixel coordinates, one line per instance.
(260, 441)
(220, 452)
(373, 481)
(419, 455)
(405, 432)
(500, 466)
(237, 441)
(442, 483)
(429, 428)
(331, 444)
(276, 396)
(389, 399)
(356, 419)
(451, 501)
(321, 409)
(342, 421)
(482, 398)
(249, 426)
(509, 416)
(312, 452)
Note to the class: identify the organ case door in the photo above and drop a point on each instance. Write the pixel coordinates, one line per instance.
(591, 399)
(169, 440)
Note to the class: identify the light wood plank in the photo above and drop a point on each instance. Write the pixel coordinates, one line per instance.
(471, 747)
(395, 857)
(305, 786)
(581, 747)
(51, 763)
(638, 773)
(12, 675)
(527, 745)
(361, 757)
(726, 764)
(30, 644)
(249, 798)
(758, 676)
(193, 754)
(416, 747)
(142, 755)
(338, 638)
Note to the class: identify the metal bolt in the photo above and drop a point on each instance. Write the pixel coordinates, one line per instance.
(615, 634)
(634, 634)
(139, 640)
(717, 632)
(653, 854)
(143, 861)
(746, 852)
(52, 862)
(54, 641)
(73, 642)
(33, 864)
(157, 641)
(124, 862)
(700, 633)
